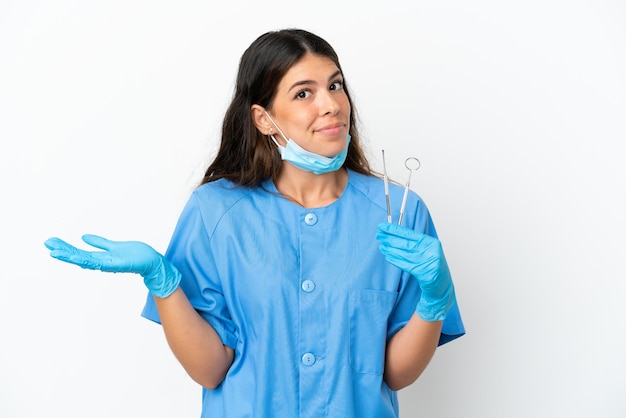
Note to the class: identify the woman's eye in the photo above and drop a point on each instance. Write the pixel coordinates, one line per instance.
(337, 85)
(303, 94)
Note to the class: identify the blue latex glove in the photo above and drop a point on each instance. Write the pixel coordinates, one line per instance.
(422, 257)
(159, 275)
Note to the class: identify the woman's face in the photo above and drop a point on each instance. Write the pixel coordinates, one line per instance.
(311, 106)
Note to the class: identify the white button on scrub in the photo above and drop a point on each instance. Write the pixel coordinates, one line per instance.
(308, 359)
(308, 286)
(310, 219)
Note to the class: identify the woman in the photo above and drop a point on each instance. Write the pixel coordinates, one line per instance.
(284, 292)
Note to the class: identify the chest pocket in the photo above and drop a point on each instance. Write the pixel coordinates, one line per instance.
(369, 313)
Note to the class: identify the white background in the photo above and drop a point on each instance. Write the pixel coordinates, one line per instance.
(110, 111)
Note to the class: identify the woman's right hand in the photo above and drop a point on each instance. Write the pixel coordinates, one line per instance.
(160, 276)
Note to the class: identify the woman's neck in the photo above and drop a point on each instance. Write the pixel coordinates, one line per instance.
(311, 190)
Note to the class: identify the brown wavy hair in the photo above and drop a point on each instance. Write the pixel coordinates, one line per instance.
(246, 157)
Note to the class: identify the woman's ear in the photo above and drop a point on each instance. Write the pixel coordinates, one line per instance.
(260, 119)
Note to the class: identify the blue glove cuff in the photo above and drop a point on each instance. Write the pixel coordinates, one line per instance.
(436, 309)
(164, 280)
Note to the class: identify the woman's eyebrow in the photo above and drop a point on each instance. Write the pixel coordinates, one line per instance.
(310, 82)
(334, 75)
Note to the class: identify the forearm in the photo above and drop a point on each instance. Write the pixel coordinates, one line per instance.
(193, 341)
(409, 351)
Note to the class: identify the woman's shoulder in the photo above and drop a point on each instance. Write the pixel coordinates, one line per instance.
(211, 201)
(361, 180)
(370, 185)
(221, 192)
(372, 188)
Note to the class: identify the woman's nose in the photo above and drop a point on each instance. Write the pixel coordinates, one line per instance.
(329, 104)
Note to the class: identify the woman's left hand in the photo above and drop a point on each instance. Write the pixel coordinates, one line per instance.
(421, 256)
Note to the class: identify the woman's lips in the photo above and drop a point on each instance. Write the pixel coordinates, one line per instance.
(333, 129)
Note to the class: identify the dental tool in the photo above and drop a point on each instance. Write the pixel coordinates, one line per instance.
(412, 164)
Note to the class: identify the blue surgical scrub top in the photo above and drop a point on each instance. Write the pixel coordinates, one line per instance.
(303, 296)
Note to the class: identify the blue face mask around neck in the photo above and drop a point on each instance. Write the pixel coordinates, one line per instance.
(307, 160)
